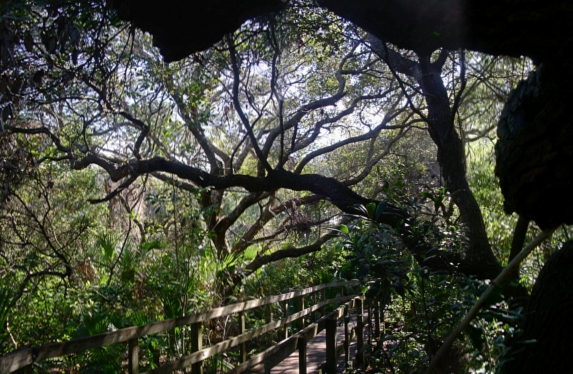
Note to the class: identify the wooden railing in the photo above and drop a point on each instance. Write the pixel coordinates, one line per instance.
(131, 335)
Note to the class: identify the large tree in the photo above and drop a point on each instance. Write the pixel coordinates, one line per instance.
(492, 27)
(535, 118)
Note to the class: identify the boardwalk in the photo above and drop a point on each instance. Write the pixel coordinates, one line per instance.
(131, 336)
(316, 353)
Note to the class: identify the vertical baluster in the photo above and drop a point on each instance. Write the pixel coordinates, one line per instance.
(299, 307)
(346, 336)
(377, 318)
(315, 301)
(369, 313)
(359, 333)
(323, 298)
(242, 326)
(197, 345)
(331, 345)
(285, 308)
(133, 357)
(301, 342)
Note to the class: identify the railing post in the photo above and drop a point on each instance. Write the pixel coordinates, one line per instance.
(369, 305)
(383, 323)
(331, 345)
(285, 308)
(268, 314)
(133, 357)
(242, 327)
(323, 298)
(346, 337)
(197, 345)
(301, 342)
(286, 314)
(315, 301)
(359, 334)
(299, 307)
(377, 318)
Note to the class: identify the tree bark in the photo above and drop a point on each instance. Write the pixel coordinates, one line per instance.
(548, 320)
(479, 258)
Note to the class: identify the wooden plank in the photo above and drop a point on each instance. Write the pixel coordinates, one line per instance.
(256, 360)
(16, 360)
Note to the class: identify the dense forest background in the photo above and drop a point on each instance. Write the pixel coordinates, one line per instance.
(298, 150)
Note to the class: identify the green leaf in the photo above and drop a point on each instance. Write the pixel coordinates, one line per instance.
(371, 208)
(344, 229)
(427, 195)
(380, 209)
(107, 245)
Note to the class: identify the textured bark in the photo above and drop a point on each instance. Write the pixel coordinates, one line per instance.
(535, 147)
(548, 320)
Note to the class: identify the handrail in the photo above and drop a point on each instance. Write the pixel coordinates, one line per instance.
(233, 342)
(28, 356)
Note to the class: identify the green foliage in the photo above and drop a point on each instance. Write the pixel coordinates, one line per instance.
(161, 247)
(488, 194)
(422, 306)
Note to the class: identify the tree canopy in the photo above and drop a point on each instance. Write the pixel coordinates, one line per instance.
(259, 140)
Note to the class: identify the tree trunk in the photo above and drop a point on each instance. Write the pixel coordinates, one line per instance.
(479, 258)
(548, 320)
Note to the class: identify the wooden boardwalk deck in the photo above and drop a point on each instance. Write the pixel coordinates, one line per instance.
(316, 353)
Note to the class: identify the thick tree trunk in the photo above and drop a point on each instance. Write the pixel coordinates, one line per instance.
(548, 320)
(479, 258)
